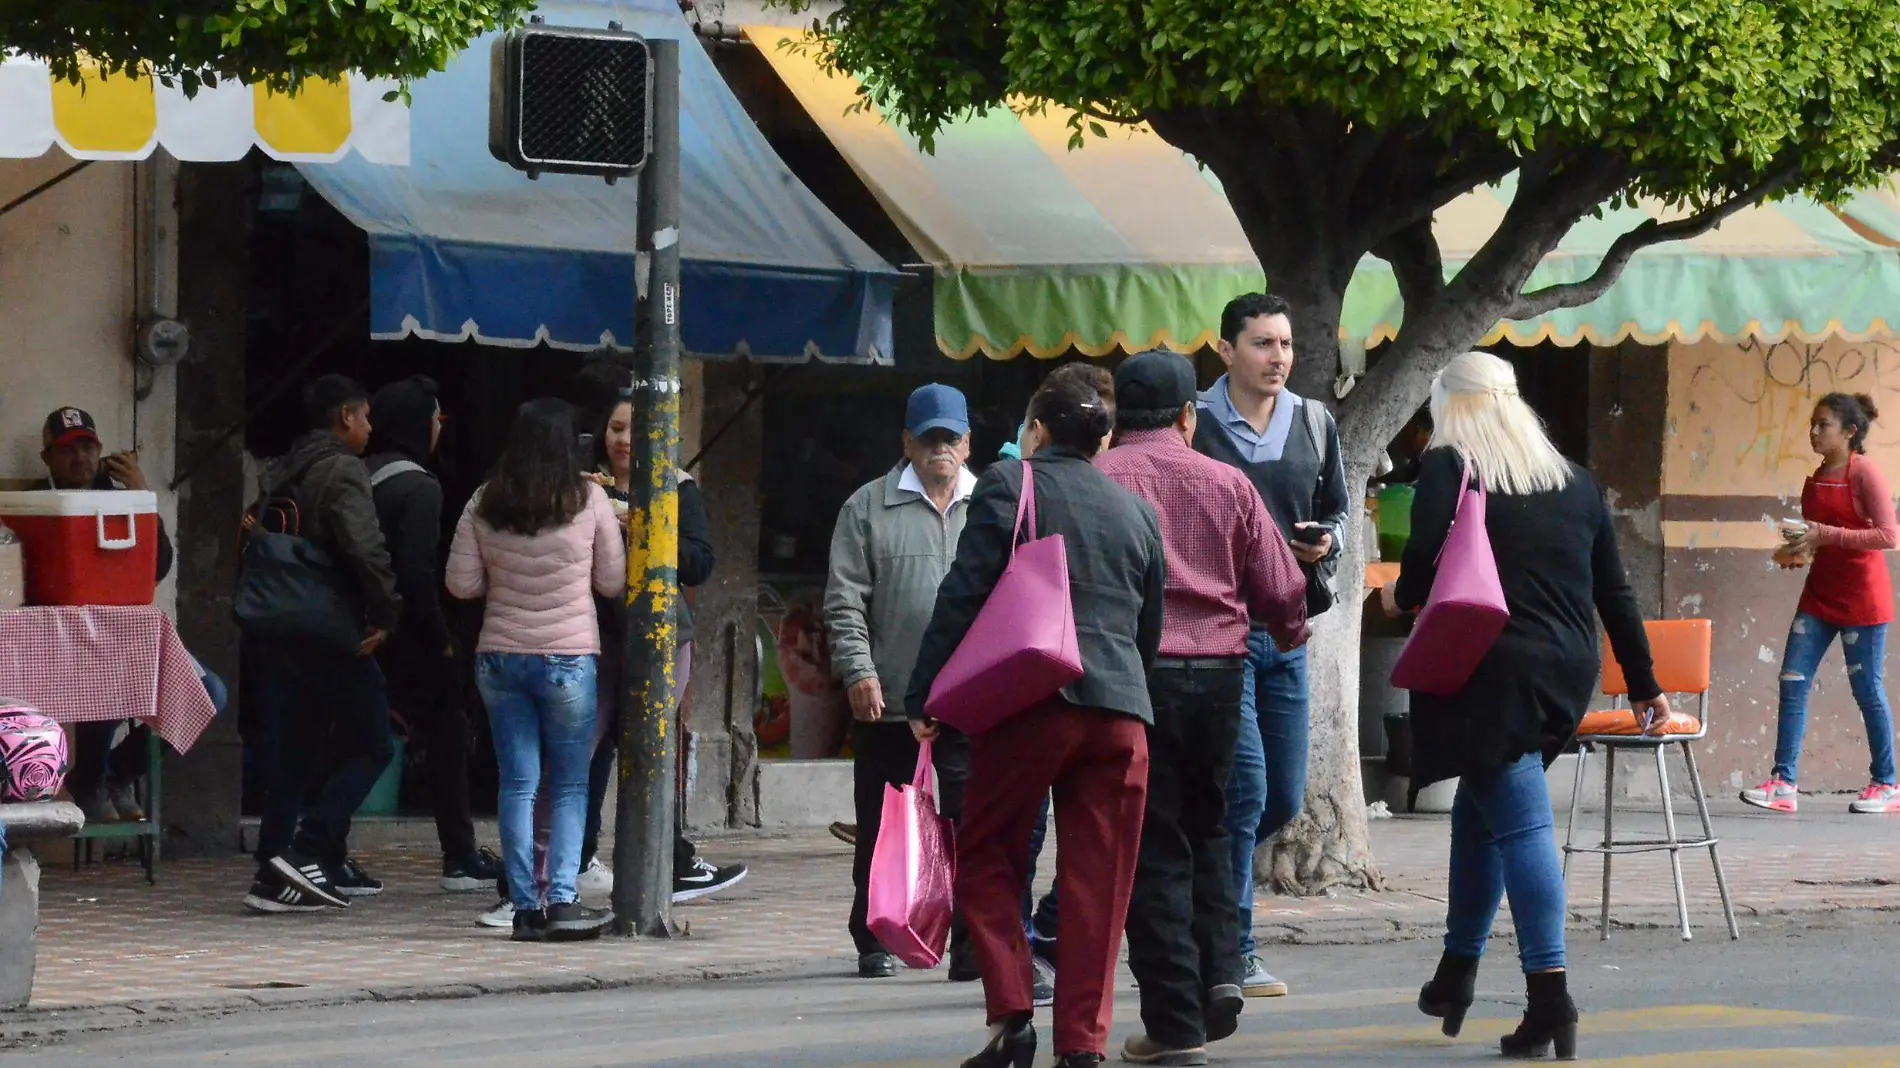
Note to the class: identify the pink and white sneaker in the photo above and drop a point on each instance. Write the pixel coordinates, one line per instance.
(1778, 796)
(1877, 798)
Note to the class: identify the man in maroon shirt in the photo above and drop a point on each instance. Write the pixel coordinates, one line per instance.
(1227, 564)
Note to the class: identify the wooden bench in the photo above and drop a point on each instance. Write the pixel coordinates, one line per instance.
(27, 825)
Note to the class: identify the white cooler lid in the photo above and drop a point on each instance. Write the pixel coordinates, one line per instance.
(78, 502)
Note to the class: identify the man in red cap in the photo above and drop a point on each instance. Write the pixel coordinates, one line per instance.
(101, 784)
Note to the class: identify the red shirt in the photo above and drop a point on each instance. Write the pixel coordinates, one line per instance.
(1847, 581)
(1227, 561)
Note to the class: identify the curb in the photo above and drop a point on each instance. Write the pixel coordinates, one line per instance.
(35, 1026)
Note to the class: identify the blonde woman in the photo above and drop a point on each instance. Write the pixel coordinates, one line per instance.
(1558, 561)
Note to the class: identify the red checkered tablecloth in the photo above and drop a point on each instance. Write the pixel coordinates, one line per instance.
(104, 662)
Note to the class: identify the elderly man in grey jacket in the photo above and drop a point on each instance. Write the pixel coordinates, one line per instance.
(895, 540)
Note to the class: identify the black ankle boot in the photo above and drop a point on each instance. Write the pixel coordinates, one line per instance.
(1550, 1020)
(1012, 1047)
(1449, 993)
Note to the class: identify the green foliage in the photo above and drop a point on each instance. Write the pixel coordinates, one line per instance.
(277, 42)
(1699, 95)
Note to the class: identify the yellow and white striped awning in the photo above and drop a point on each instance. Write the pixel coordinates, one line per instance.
(120, 118)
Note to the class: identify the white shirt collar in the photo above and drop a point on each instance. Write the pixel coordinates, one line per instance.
(966, 484)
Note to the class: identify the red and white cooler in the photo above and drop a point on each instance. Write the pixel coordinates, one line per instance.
(86, 546)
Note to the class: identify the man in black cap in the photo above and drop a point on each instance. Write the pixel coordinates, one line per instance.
(1227, 564)
(103, 778)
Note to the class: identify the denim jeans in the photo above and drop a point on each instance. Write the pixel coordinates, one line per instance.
(1503, 841)
(1040, 917)
(1268, 785)
(540, 709)
(1866, 651)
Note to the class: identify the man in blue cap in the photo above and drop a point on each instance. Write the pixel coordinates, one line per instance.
(894, 542)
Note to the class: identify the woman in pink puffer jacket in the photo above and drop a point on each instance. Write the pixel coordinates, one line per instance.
(538, 540)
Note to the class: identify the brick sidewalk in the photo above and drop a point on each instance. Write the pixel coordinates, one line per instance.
(108, 939)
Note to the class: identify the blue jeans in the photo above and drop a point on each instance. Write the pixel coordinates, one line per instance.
(1503, 841)
(541, 712)
(1040, 917)
(1866, 651)
(1268, 786)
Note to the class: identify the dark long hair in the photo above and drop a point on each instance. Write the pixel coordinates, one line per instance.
(1855, 410)
(1071, 408)
(537, 483)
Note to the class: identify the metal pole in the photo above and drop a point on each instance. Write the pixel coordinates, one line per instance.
(643, 825)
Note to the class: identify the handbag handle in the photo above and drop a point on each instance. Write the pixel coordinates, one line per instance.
(926, 769)
(1464, 486)
(1025, 506)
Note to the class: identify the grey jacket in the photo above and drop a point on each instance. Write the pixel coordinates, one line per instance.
(889, 553)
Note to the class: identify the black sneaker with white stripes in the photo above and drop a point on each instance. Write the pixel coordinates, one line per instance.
(351, 880)
(272, 896)
(307, 874)
(704, 878)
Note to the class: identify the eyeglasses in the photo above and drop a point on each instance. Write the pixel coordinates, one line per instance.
(940, 437)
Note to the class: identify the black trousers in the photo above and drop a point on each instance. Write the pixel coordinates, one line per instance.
(426, 689)
(885, 754)
(1183, 935)
(94, 757)
(325, 720)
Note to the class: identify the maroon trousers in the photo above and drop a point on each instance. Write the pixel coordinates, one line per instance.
(1096, 763)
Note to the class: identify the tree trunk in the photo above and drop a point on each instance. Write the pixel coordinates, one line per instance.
(1328, 845)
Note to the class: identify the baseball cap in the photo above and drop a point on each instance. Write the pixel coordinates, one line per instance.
(67, 425)
(937, 407)
(1155, 381)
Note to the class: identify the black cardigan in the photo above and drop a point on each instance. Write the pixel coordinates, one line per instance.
(1558, 562)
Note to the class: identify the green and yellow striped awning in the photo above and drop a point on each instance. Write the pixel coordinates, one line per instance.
(1126, 244)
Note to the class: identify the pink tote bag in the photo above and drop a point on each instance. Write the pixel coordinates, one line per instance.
(1021, 648)
(1466, 611)
(913, 870)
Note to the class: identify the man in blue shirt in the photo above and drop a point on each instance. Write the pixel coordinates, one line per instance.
(1288, 446)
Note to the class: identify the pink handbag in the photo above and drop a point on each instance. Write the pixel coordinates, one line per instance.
(1466, 611)
(913, 870)
(1021, 648)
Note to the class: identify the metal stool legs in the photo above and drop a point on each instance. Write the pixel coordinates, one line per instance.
(1675, 843)
(1672, 840)
(1708, 832)
(1609, 840)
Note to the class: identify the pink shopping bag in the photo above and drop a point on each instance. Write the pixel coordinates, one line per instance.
(913, 869)
(1022, 646)
(1466, 611)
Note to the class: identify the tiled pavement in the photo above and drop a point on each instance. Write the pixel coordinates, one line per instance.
(106, 938)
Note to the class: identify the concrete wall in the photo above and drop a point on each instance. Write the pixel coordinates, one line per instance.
(68, 264)
(1734, 459)
(725, 670)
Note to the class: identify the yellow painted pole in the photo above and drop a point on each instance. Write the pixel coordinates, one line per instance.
(644, 822)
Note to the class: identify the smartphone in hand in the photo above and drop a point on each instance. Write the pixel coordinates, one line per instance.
(1311, 535)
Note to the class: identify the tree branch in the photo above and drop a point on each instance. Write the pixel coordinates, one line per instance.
(1575, 294)
(1417, 263)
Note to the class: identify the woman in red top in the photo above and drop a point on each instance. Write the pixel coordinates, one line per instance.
(1850, 522)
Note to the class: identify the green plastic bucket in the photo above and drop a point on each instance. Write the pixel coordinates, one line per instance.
(1395, 521)
(382, 797)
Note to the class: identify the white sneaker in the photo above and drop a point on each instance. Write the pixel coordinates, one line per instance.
(502, 917)
(1774, 795)
(595, 878)
(1877, 798)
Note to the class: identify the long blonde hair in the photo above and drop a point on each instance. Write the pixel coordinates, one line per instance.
(1476, 410)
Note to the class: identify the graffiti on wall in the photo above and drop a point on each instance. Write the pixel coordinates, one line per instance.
(1739, 411)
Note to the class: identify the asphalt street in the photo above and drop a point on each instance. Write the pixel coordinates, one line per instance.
(1810, 993)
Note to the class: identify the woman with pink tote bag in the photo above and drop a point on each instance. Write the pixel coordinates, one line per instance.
(1086, 742)
(1547, 533)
